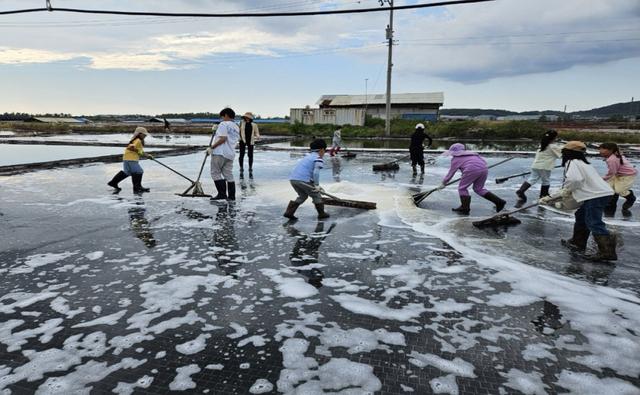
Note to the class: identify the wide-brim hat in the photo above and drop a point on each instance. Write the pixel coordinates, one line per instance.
(456, 149)
(575, 146)
(140, 130)
(420, 126)
(248, 115)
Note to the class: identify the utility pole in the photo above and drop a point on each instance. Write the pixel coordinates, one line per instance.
(366, 96)
(387, 124)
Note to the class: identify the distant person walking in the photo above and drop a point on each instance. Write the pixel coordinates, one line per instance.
(130, 165)
(336, 142)
(249, 134)
(416, 148)
(474, 172)
(223, 153)
(620, 175)
(167, 125)
(541, 167)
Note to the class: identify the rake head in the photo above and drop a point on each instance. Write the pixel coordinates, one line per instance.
(497, 221)
(195, 190)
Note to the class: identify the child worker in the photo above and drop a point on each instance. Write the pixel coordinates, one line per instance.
(305, 180)
(130, 165)
(621, 176)
(474, 171)
(583, 183)
(541, 167)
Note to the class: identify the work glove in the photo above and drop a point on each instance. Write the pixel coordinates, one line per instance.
(318, 189)
(551, 199)
(208, 150)
(149, 156)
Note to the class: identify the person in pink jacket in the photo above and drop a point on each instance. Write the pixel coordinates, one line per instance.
(620, 176)
(474, 172)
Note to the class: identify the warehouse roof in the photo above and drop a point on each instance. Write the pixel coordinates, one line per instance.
(398, 98)
(59, 120)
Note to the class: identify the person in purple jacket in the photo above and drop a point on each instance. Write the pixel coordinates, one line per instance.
(474, 171)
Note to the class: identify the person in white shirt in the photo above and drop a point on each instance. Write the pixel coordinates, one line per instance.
(541, 167)
(223, 151)
(584, 185)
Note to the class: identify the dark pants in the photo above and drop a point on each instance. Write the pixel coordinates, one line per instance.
(244, 146)
(589, 215)
(417, 156)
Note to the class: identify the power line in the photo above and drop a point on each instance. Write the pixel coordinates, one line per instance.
(242, 15)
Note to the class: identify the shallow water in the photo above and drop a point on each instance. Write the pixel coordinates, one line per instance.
(161, 292)
(16, 154)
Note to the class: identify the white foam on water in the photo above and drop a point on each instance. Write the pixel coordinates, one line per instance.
(239, 331)
(444, 385)
(406, 388)
(257, 341)
(127, 388)
(359, 305)
(94, 256)
(182, 381)
(261, 386)
(457, 366)
(359, 340)
(30, 263)
(527, 383)
(14, 341)
(534, 352)
(291, 287)
(588, 384)
(60, 305)
(216, 366)
(121, 343)
(110, 319)
(193, 346)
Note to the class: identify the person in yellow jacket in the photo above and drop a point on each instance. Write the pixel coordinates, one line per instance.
(130, 165)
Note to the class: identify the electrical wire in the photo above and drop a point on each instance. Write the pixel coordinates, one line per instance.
(243, 14)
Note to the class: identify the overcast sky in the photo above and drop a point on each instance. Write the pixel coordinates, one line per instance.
(512, 54)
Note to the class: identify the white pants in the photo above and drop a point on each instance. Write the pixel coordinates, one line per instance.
(221, 168)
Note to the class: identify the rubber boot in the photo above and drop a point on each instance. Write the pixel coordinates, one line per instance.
(606, 248)
(610, 209)
(415, 171)
(231, 190)
(577, 242)
(626, 206)
(320, 210)
(495, 200)
(522, 198)
(544, 191)
(291, 210)
(221, 187)
(136, 179)
(465, 206)
(421, 169)
(116, 180)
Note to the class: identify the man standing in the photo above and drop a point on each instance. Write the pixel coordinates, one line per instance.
(222, 154)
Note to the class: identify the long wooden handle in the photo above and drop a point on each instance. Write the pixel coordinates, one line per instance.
(178, 173)
(205, 158)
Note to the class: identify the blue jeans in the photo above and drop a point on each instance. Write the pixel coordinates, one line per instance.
(130, 167)
(590, 215)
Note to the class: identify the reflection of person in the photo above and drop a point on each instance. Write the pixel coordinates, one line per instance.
(474, 171)
(249, 134)
(620, 175)
(305, 251)
(416, 148)
(130, 165)
(224, 239)
(140, 226)
(222, 153)
(541, 168)
(583, 183)
(336, 168)
(305, 180)
(336, 142)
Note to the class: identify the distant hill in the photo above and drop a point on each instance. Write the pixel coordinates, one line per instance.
(618, 109)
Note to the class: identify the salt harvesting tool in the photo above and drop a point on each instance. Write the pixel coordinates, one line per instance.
(390, 166)
(195, 190)
(419, 197)
(332, 200)
(506, 219)
(194, 184)
(503, 179)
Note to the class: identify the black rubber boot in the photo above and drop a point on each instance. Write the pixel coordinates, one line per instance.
(136, 179)
(221, 187)
(320, 209)
(421, 169)
(522, 198)
(610, 209)
(606, 249)
(231, 190)
(465, 206)
(578, 242)
(544, 191)
(415, 171)
(116, 180)
(626, 206)
(495, 200)
(291, 210)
